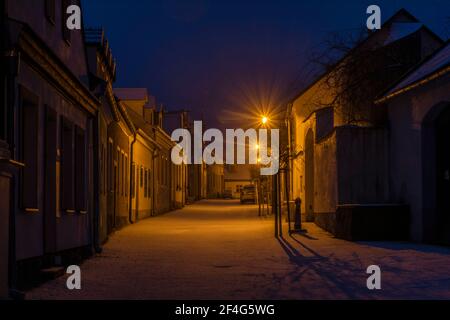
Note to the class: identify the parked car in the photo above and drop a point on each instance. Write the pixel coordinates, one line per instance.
(227, 194)
(248, 194)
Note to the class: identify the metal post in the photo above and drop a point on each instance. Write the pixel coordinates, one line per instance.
(258, 194)
(298, 214)
(274, 203)
(286, 186)
(280, 217)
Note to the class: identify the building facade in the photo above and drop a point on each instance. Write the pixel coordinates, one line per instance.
(51, 112)
(419, 121)
(140, 108)
(78, 160)
(159, 185)
(236, 177)
(216, 182)
(197, 178)
(173, 120)
(113, 131)
(340, 151)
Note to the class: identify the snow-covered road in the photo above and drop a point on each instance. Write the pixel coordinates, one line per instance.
(218, 249)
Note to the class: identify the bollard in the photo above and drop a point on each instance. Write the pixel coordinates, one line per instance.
(298, 214)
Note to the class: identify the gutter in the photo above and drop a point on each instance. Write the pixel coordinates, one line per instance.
(415, 85)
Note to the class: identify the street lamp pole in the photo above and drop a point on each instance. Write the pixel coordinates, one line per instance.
(275, 202)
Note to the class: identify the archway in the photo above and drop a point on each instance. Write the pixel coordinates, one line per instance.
(436, 174)
(443, 176)
(309, 175)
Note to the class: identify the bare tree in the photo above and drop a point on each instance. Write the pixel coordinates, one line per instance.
(356, 71)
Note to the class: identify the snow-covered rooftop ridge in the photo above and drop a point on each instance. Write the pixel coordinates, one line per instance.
(400, 30)
(131, 93)
(440, 60)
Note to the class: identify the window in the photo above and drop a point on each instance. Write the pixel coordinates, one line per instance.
(110, 166)
(149, 184)
(29, 151)
(324, 122)
(5, 106)
(105, 186)
(119, 174)
(146, 184)
(50, 10)
(122, 167)
(101, 162)
(142, 177)
(132, 181)
(136, 187)
(105, 172)
(80, 170)
(65, 31)
(158, 170)
(126, 175)
(164, 179)
(67, 172)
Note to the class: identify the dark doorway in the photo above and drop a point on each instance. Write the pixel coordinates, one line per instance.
(443, 176)
(309, 175)
(51, 177)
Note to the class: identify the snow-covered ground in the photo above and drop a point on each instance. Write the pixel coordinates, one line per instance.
(222, 250)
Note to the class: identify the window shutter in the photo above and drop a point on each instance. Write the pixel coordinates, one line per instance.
(29, 151)
(67, 172)
(80, 168)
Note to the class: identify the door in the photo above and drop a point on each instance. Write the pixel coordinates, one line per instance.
(115, 194)
(309, 176)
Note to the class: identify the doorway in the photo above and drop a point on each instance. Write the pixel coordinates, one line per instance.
(443, 176)
(309, 176)
(51, 181)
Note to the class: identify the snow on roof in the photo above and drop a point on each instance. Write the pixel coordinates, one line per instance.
(131, 93)
(400, 30)
(440, 60)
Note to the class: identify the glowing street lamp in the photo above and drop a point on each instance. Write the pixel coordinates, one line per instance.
(264, 120)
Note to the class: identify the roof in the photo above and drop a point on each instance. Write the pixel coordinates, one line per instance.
(131, 93)
(438, 62)
(402, 24)
(139, 122)
(96, 37)
(400, 30)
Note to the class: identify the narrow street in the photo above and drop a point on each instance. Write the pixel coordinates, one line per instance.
(218, 249)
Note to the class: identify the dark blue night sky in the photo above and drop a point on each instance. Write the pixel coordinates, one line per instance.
(213, 56)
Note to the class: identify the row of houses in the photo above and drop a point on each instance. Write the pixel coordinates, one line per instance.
(79, 158)
(370, 158)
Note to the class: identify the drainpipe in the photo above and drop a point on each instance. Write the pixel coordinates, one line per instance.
(132, 173)
(11, 60)
(154, 156)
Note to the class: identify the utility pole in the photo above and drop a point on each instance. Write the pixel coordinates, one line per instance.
(280, 217)
(288, 208)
